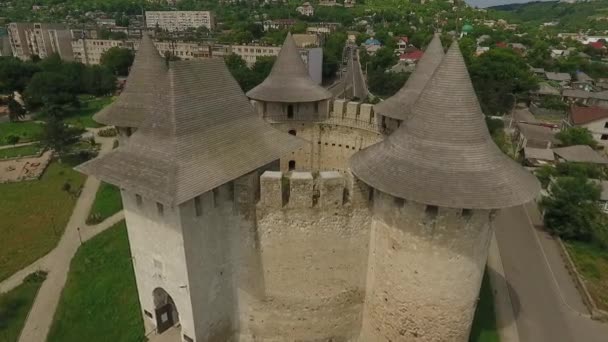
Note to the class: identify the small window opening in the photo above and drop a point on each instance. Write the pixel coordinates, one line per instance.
(138, 200)
(129, 131)
(431, 211)
(292, 165)
(290, 112)
(198, 206)
(604, 137)
(292, 132)
(216, 197)
(467, 213)
(265, 107)
(147, 313)
(160, 208)
(316, 107)
(347, 146)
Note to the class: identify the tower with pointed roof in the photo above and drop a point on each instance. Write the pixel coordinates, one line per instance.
(394, 110)
(436, 181)
(141, 89)
(356, 243)
(289, 93)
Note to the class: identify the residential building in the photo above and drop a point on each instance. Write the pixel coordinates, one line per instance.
(402, 43)
(560, 77)
(306, 9)
(349, 3)
(579, 154)
(179, 20)
(40, 39)
(582, 97)
(89, 51)
(411, 57)
(595, 119)
(278, 24)
(328, 3)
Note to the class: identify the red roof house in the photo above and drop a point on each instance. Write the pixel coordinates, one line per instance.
(411, 57)
(597, 45)
(585, 115)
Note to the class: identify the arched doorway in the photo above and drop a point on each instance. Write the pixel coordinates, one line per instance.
(292, 165)
(290, 111)
(165, 310)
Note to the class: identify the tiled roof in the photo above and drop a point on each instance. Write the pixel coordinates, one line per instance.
(202, 133)
(580, 154)
(576, 93)
(135, 103)
(558, 76)
(399, 105)
(289, 80)
(583, 115)
(539, 153)
(414, 55)
(443, 154)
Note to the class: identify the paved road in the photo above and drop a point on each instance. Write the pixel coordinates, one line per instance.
(546, 304)
(352, 82)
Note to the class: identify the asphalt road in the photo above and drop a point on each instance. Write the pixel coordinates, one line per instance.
(546, 304)
(352, 82)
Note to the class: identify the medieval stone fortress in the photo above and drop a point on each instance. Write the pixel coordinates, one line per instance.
(286, 215)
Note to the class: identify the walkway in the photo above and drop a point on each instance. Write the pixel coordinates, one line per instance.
(547, 307)
(57, 262)
(6, 147)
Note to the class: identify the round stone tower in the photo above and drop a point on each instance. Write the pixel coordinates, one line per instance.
(141, 90)
(437, 181)
(394, 110)
(289, 93)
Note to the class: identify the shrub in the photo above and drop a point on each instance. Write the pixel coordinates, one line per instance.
(108, 132)
(12, 139)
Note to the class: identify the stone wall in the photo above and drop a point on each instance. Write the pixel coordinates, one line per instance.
(313, 233)
(159, 258)
(425, 270)
(350, 127)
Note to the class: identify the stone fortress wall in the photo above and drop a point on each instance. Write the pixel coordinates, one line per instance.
(312, 255)
(349, 127)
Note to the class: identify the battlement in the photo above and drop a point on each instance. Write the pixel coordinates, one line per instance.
(354, 111)
(326, 189)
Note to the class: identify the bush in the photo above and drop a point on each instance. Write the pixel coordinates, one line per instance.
(576, 136)
(12, 139)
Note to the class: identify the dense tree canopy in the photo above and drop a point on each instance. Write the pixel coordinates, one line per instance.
(499, 76)
(247, 77)
(118, 60)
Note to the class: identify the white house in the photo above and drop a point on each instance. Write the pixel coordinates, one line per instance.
(306, 9)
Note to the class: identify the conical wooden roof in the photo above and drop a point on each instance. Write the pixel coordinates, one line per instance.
(134, 103)
(400, 105)
(443, 153)
(289, 80)
(202, 133)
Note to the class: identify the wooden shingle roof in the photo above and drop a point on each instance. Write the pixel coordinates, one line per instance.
(134, 103)
(443, 154)
(400, 105)
(201, 133)
(289, 80)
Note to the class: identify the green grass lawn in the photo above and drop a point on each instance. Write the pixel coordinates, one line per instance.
(83, 117)
(16, 304)
(99, 301)
(20, 151)
(26, 131)
(33, 215)
(107, 203)
(484, 324)
(592, 263)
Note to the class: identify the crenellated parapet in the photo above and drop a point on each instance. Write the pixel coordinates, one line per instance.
(323, 190)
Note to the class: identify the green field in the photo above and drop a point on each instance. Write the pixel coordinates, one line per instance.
(83, 117)
(100, 299)
(26, 131)
(484, 325)
(107, 203)
(592, 263)
(16, 304)
(34, 215)
(20, 151)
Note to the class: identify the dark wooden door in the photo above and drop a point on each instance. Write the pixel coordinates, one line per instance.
(164, 318)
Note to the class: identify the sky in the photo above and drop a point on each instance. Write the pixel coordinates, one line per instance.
(488, 3)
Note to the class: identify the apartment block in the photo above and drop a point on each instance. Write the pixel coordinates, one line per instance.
(40, 39)
(89, 51)
(179, 20)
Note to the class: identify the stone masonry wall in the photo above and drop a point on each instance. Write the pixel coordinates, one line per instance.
(425, 271)
(159, 260)
(313, 251)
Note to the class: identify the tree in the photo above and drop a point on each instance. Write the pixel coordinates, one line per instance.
(571, 210)
(576, 136)
(58, 136)
(118, 60)
(15, 74)
(16, 112)
(98, 80)
(49, 88)
(498, 75)
(384, 83)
